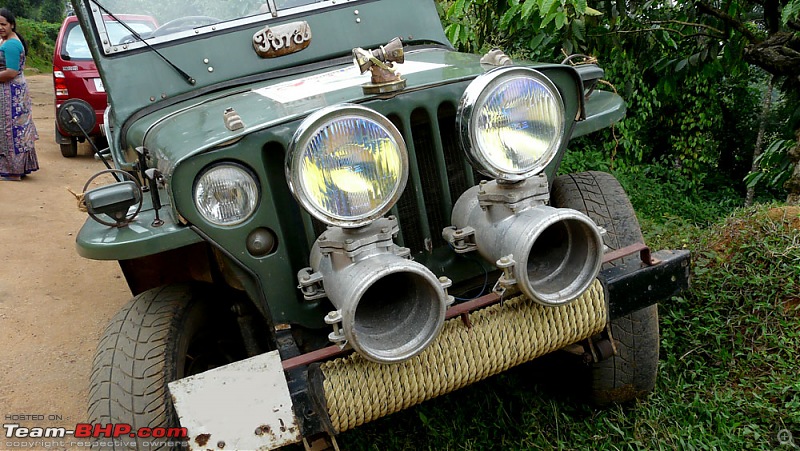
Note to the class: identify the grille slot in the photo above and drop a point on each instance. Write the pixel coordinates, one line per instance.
(442, 174)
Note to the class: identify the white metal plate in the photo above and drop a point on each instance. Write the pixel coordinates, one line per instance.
(327, 82)
(98, 85)
(243, 405)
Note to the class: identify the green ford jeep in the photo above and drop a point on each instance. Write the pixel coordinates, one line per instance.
(326, 215)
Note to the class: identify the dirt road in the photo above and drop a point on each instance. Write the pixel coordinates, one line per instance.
(53, 303)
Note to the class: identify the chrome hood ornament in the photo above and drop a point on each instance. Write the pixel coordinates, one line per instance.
(381, 62)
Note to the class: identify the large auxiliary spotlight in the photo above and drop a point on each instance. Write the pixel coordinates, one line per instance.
(512, 125)
(347, 166)
(511, 122)
(550, 254)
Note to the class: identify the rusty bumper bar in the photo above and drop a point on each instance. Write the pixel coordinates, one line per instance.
(634, 285)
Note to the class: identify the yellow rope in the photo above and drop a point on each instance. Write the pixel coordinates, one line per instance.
(504, 335)
(80, 199)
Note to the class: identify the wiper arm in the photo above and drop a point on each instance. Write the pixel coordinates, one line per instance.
(272, 8)
(189, 79)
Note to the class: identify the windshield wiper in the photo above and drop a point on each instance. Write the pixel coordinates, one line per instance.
(272, 8)
(189, 79)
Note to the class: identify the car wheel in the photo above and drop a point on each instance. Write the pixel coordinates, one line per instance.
(70, 149)
(161, 335)
(631, 373)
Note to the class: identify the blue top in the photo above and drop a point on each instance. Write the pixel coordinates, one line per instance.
(13, 50)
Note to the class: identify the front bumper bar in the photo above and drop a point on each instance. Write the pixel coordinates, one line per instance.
(504, 335)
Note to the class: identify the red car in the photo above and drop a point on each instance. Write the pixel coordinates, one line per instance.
(77, 82)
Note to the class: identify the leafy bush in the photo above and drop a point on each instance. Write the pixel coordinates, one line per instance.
(41, 38)
(692, 101)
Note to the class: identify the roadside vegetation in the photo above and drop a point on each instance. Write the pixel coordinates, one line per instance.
(41, 38)
(38, 21)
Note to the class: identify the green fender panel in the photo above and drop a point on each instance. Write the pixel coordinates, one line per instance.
(98, 242)
(603, 109)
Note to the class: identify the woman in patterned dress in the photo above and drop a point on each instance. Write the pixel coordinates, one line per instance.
(17, 131)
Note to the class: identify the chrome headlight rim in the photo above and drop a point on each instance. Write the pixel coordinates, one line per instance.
(309, 128)
(474, 96)
(227, 164)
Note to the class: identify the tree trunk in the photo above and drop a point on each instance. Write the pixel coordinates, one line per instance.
(751, 191)
(793, 184)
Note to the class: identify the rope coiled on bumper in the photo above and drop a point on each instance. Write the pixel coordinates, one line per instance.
(501, 336)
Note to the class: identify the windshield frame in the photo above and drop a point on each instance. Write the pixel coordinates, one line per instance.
(107, 48)
(73, 33)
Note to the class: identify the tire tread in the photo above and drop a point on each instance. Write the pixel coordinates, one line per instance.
(632, 372)
(134, 350)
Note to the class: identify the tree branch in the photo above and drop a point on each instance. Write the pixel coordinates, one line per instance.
(729, 20)
(688, 24)
(650, 30)
(779, 54)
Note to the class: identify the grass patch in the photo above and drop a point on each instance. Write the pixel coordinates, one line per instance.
(728, 365)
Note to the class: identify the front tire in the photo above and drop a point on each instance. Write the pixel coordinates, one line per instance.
(161, 335)
(631, 374)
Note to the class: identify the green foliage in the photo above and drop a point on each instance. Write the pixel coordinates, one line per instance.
(693, 102)
(42, 10)
(774, 166)
(727, 377)
(21, 8)
(38, 21)
(41, 38)
(535, 29)
(677, 106)
(791, 12)
(52, 11)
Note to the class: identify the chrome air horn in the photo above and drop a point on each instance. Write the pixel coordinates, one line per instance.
(389, 308)
(550, 254)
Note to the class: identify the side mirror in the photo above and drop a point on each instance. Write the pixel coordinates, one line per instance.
(113, 201)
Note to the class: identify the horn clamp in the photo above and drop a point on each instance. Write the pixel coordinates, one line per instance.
(551, 255)
(388, 307)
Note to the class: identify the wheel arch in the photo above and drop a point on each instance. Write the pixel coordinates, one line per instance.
(190, 263)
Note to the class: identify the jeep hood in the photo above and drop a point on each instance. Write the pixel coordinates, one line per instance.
(174, 133)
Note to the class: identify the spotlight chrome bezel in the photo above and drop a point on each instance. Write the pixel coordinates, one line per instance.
(315, 124)
(473, 99)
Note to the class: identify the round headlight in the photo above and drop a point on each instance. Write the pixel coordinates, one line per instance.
(511, 122)
(226, 194)
(347, 165)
